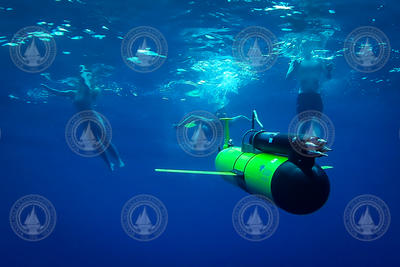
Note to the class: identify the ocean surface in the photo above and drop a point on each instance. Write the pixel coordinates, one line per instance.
(198, 72)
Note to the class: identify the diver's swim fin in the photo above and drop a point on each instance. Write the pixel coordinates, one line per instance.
(196, 172)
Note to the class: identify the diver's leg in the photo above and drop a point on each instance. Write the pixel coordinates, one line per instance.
(309, 102)
(114, 152)
(315, 104)
(106, 157)
(105, 153)
(319, 105)
(301, 106)
(305, 102)
(69, 93)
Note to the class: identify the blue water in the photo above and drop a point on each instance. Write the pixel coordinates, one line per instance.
(88, 197)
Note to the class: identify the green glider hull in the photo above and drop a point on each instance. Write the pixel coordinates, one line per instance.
(254, 171)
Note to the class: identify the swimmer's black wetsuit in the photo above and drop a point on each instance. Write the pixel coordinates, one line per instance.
(309, 101)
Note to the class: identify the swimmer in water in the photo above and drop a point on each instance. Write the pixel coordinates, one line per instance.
(83, 98)
(192, 120)
(205, 124)
(310, 72)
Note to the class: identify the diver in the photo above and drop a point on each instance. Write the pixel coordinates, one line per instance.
(219, 114)
(206, 125)
(84, 97)
(309, 71)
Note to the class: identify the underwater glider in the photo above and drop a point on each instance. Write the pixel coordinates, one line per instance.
(268, 165)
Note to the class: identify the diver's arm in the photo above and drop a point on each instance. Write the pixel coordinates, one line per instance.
(240, 117)
(69, 93)
(292, 69)
(192, 118)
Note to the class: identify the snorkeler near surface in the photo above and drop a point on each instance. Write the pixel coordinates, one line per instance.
(84, 97)
(309, 71)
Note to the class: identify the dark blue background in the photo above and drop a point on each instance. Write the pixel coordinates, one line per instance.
(35, 158)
